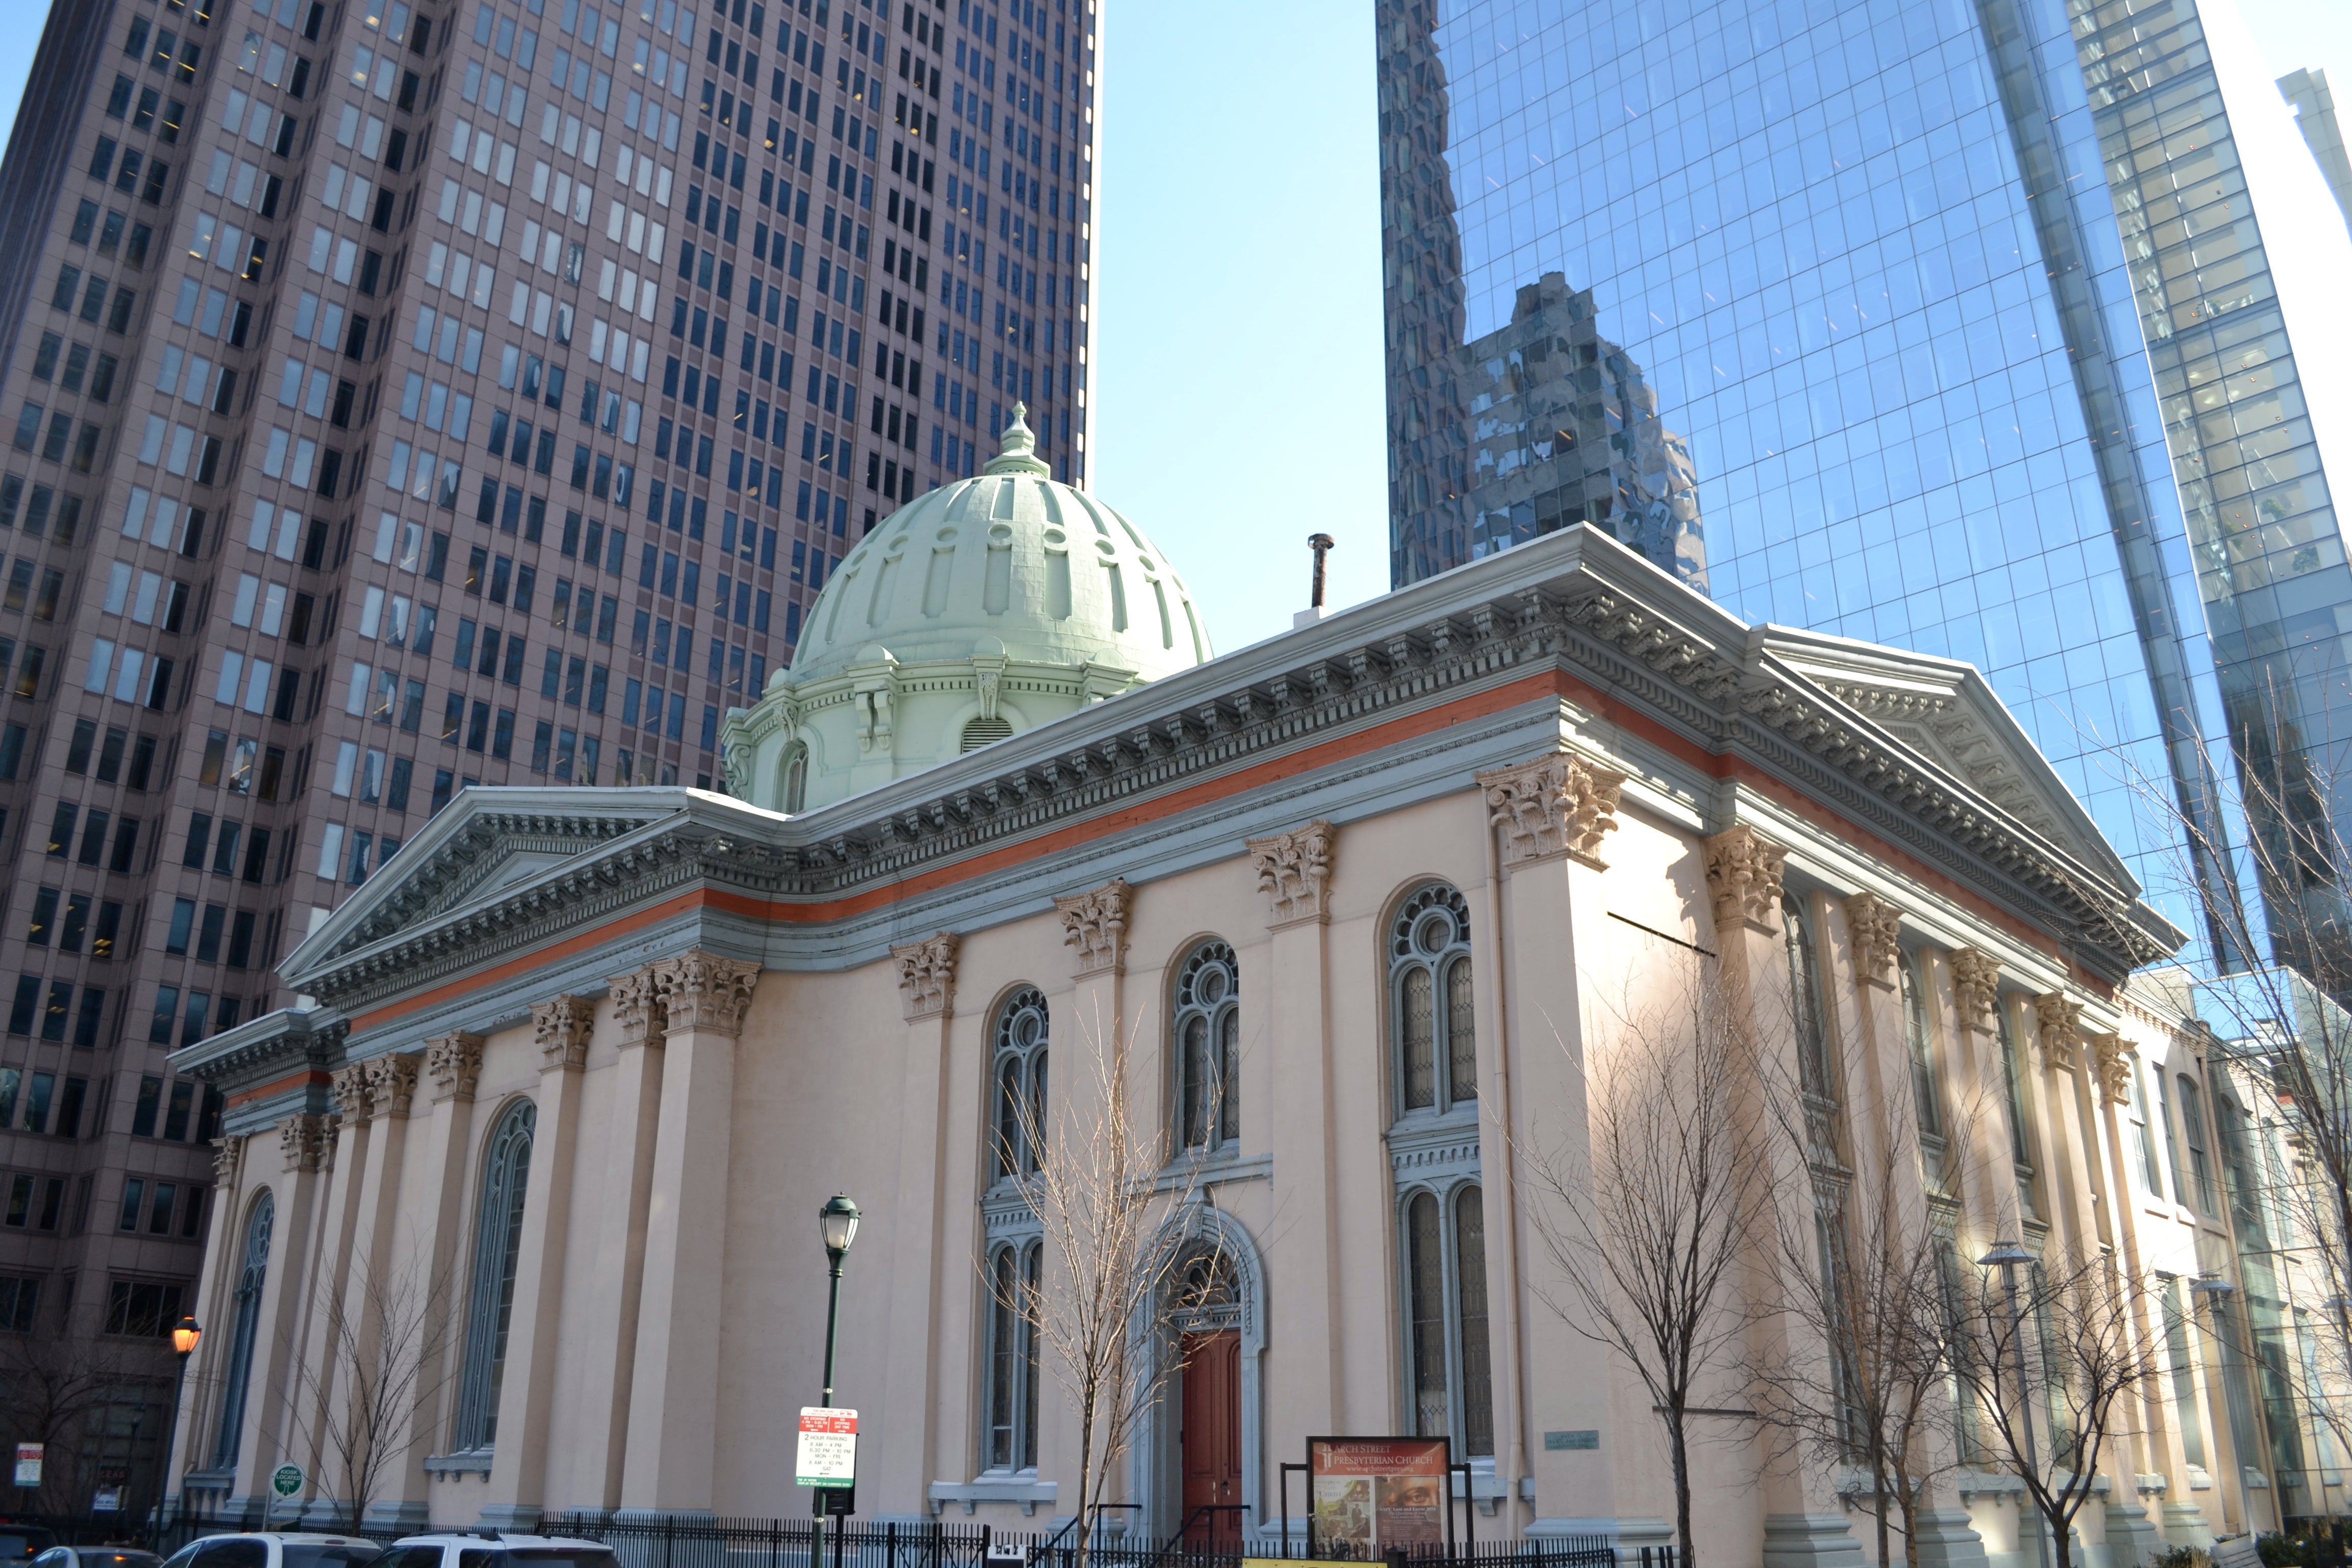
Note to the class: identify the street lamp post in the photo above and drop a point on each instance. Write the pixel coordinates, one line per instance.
(184, 1335)
(837, 1222)
(2008, 1255)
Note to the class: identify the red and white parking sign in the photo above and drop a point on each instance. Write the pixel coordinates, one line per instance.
(828, 1447)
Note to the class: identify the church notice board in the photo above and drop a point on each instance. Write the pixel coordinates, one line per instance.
(1368, 1495)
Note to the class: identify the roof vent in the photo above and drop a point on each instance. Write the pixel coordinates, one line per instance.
(981, 733)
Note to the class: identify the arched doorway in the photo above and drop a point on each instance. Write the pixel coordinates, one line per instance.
(1208, 1403)
(1219, 1318)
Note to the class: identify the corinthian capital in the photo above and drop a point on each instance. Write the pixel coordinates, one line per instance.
(305, 1141)
(2113, 1059)
(1096, 924)
(349, 1085)
(637, 1008)
(562, 1023)
(1743, 871)
(1556, 805)
(2058, 1017)
(702, 991)
(1293, 871)
(1976, 989)
(926, 976)
(453, 1063)
(1876, 929)
(229, 1153)
(391, 1083)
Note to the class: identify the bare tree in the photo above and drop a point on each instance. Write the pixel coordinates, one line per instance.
(1643, 1211)
(56, 1390)
(1862, 1269)
(1114, 1213)
(2051, 1354)
(385, 1339)
(2264, 869)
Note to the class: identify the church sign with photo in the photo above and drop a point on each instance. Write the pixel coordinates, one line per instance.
(1369, 1495)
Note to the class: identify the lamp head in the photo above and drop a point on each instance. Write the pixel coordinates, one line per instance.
(2212, 1285)
(184, 1335)
(838, 1221)
(2005, 1253)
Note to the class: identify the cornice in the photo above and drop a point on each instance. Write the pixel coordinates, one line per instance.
(1575, 604)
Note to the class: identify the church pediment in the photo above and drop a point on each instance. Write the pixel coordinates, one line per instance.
(483, 847)
(1946, 712)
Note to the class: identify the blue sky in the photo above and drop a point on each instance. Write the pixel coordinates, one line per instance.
(1237, 387)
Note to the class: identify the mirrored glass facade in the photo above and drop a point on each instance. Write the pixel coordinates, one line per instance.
(1943, 323)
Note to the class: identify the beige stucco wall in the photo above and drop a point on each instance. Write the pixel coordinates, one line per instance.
(829, 1085)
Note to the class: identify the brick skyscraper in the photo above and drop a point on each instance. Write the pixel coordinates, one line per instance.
(411, 395)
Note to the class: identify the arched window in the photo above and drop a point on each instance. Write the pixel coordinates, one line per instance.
(1014, 1274)
(1449, 1365)
(498, 1247)
(1926, 1094)
(253, 1271)
(1805, 1000)
(795, 778)
(1208, 1049)
(1431, 1002)
(1019, 1075)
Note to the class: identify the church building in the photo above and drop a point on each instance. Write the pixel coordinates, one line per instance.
(578, 1067)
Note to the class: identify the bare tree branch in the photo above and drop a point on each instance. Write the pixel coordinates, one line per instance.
(1641, 1211)
(2057, 1367)
(1116, 1215)
(384, 1337)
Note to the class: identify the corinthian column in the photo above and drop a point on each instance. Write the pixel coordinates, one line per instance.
(518, 1469)
(609, 1341)
(922, 1262)
(674, 1389)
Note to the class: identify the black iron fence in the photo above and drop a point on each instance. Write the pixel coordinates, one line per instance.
(671, 1540)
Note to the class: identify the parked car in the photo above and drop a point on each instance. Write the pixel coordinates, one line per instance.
(22, 1542)
(491, 1549)
(96, 1557)
(274, 1549)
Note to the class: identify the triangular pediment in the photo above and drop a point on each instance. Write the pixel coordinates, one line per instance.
(482, 847)
(1943, 711)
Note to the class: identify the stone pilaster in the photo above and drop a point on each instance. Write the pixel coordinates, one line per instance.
(672, 1453)
(1295, 871)
(561, 1028)
(927, 1259)
(452, 1065)
(608, 1346)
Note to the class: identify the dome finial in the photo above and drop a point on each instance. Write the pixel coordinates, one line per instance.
(1019, 455)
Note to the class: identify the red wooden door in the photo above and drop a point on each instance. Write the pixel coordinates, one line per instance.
(1212, 1439)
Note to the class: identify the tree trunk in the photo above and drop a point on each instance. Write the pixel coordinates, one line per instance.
(1679, 1445)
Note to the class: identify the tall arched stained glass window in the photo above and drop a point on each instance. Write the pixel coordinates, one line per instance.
(1018, 1115)
(252, 1273)
(497, 1247)
(1208, 1048)
(1434, 1019)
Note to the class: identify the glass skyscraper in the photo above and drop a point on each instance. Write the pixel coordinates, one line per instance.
(1946, 323)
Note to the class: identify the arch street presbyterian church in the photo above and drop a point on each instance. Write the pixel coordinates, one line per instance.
(582, 1064)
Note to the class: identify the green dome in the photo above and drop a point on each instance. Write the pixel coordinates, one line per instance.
(1047, 571)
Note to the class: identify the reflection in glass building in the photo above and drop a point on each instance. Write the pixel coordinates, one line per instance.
(1952, 318)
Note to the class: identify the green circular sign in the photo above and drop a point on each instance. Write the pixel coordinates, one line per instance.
(287, 1480)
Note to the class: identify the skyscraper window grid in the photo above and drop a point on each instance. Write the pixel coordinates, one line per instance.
(1903, 365)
